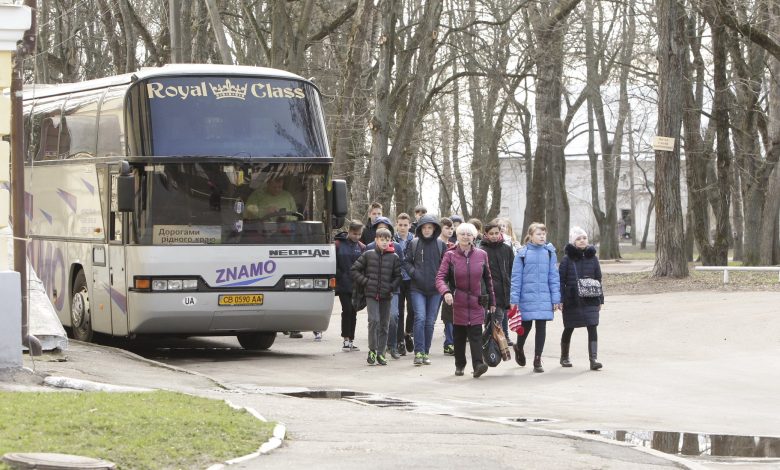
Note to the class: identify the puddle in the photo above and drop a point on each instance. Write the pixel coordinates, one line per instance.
(355, 397)
(692, 444)
(329, 394)
(528, 420)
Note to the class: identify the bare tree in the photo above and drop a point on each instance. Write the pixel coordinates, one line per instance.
(670, 255)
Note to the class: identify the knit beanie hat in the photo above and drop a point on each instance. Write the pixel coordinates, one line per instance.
(575, 233)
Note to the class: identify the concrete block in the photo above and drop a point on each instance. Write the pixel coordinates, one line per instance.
(5, 115)
(11, 319)
(6, 67)
(5, 207)
(5, 161)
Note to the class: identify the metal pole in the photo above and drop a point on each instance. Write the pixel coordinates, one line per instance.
(26, 46)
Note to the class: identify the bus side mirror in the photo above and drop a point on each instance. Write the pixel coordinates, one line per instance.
(125, 190)
(340, 202)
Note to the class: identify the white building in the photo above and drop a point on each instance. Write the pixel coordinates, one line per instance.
(578, 179)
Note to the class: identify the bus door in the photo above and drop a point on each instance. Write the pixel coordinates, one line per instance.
(100, 298)
(116, 261)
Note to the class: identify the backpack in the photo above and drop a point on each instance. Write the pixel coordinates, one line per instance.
(415, 242)
(549, 257)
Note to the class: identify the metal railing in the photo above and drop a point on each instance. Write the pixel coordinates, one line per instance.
(726, 270)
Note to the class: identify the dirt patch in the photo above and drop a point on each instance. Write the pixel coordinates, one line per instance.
(645, 283)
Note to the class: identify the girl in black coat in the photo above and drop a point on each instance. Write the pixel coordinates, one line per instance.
(579, 262)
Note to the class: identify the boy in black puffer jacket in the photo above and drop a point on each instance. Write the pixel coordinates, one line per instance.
(378, 271)
(348, 250)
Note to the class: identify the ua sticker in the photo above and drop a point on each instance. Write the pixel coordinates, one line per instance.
(189, 301)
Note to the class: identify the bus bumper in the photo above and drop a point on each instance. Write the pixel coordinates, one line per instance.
(198, 313)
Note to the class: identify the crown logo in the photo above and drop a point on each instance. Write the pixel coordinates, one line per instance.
(228, 90)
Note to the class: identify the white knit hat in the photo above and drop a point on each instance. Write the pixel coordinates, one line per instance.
(575, 233)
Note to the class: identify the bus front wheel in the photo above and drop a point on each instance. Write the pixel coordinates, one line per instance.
(80, 315)
(260, 341)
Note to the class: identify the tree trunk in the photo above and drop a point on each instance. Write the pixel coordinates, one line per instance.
(425, 38)
(670, 253)
(550, 203)
(219, 32)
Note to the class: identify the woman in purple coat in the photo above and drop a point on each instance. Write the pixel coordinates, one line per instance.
(464, 277)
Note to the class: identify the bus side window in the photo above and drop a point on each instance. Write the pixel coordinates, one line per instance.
(45, 129)
(78, 136)
(111, 129)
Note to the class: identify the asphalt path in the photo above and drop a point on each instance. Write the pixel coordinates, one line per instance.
(697, 362)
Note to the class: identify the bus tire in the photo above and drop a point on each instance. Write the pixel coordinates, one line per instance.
(80, 314)
(257, 341)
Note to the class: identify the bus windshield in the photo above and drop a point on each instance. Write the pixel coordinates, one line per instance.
(215, 203)
(234, 116)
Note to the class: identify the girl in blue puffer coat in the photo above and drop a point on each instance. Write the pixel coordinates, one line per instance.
(535, 290)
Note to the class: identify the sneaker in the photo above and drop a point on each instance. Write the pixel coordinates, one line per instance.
(449, 350)
(394, 354)
(409, 343)
(317, 336)
(352, 347)
(296, 334)
(426, 360)
(347, 346)
(371, 359)
(401, 349)
(480, 369)
(418, 359)
(380, 359)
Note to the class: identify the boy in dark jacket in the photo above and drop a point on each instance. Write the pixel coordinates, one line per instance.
(422, 260)
(378, 271)
(348, 250)
(501, 257)
(384, 222)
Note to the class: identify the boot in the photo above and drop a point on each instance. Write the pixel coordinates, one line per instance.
(593, 354)
(519, 354)
(538, 364)
(565, 354)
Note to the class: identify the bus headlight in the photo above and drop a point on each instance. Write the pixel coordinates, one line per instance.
(159, 284)
(307, 283)
(190, 284)
(291, 284)
(320, 283)
(174, 284)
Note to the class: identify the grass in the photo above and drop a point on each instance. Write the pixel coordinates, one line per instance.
(162, 430)
(644, 283)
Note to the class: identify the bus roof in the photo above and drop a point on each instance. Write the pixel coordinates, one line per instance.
(39, 91)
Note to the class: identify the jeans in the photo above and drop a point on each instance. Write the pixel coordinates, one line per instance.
(448, 338)
(378, 322)
(392, 332)
(405, 301)
(426, 309)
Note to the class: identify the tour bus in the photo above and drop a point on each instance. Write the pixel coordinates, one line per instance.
(184, 200)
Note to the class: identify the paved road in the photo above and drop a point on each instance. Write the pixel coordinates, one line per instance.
(703, 362)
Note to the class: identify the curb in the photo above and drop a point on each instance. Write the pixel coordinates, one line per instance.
(276, 439)
(273, 442)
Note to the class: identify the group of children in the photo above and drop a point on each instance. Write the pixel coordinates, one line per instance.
(394, 267)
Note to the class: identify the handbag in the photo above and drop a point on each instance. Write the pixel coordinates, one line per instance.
(587, 287)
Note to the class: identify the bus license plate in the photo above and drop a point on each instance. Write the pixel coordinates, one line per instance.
(228, 300)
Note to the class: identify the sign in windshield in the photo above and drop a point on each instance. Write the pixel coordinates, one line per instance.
(234, 116)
